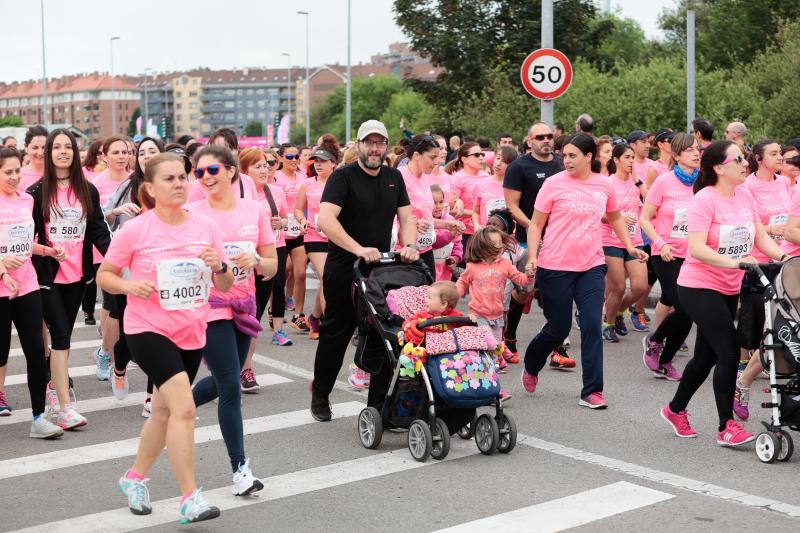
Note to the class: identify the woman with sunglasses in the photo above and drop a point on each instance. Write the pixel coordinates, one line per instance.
(723, 225)
(67, 214)
(107, 182)
(571, 265)
(663, 220)
(467, 170)
(249, 242)
(663, 164)
(35, 139)
(173, 257)
(325, 159)
(261, 166)
(290, 179)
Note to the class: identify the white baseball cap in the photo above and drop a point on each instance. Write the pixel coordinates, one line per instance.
(372, 126)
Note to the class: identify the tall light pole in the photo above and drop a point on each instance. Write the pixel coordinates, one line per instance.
(547, 109)
(289, 87)
(308, 85)
(690, 101)
(348, 94)
(113, 93)
(145, 115)
(44, 75)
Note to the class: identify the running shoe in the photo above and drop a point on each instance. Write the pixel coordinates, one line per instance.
(88, 319)
(358, 379)
(679, 422)
(320, 407)
(299, 323)
(652, 353)
(69, 418)
(5, 409)
(136, 492)
(147, 408)
(42, 428)
(566, 343)
(501, 365)
(610, 334)
(290, 304)
(668, 372)
(247, 380)
(734, 435)
(244, 482)
(505, 396)
(512, 358)
(511, 344)
(529, 381)
(638, 323)
(595, 400)
(52, 405)
(119, 385)
(313, 325)
(103, 362)
(195, 508)
(684, 347)
(741, 399)
(279, 338)
(619, 325)
(560, 360)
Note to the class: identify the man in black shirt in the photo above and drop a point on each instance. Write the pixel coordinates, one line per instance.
(523, 180)
(356, 212)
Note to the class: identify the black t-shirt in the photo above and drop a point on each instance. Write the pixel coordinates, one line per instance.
(369, 205)
(526, 175)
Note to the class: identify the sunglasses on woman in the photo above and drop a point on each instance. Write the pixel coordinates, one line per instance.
(291, 157)
(212, 170)
(477, 154)
(739, 159)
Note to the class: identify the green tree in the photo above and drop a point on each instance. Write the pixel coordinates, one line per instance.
(253, 129)
(11, 121)
(419, 115)
(132, 124)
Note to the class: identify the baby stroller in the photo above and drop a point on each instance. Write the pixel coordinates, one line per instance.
(418, 398)
(780, 356)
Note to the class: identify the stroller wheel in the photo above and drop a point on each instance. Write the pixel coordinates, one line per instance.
(370, 428)
(508, 433)
(468, 431)
(420, 441)
(440, 446)
(487, 434)
(787, 446)
(768, 447)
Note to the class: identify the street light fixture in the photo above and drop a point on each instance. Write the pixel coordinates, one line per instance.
(44, 76)
(349, 88)
(308, 85)
(113, 93)
(289, 87)
(145, 115)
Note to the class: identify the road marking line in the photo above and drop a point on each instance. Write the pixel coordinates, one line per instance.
(277, 487)
(568, 512)
(77, 325)
(74, 372)
(17, 352)
(300, 372)
(109, 402)
(45, 462)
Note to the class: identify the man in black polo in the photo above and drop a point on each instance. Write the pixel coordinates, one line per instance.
(356, 212)
(523, 180)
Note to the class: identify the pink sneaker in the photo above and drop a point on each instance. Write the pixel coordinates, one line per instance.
(668, 372)
(741, 399)
(652, 353)
(500, 364)
(529, 381)
(505, 396)
(734, 435)
(595, 400)
(679, 422)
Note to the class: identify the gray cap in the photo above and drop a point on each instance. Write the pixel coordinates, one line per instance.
(322, 154)
(372, 126)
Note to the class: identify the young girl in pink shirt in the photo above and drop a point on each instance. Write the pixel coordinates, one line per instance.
(447, 250)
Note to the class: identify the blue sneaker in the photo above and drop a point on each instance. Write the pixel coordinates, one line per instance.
(638, 322)
(619, 325)
(290, 304)
(279, 338)
(103, 362)
(610, 334)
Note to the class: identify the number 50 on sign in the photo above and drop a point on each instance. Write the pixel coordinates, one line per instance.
(546, 74)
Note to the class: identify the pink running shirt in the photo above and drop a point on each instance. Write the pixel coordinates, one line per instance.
(671, 199)
(16, 239)
(313, 195)
(67, 228)
(463, 187)
(488, 197)
(771, 199)
(629, 203)
(421, 201)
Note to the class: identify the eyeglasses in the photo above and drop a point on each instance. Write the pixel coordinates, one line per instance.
(213, 170)
(544, 136)
(476, 154)
(375, 144)
(739, 159)
(291, 157)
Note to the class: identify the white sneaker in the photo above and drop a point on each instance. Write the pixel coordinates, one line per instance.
(52, 405)
(103, 362)
(195, 508)
(146, 412)
(42, 428)
(119, 385)
(244, 482)
(69, 418)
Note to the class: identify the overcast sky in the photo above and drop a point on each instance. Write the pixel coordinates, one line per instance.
(168, 35)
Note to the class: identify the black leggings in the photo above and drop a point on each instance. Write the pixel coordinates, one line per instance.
(161, 359)
(512, 322)
(60, 304)
(715, 345)
(275, 287)
(90, 294)
(26, 314)
(122, 352)
(677, 325)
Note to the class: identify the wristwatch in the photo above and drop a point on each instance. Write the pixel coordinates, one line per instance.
(223, 269)
(639, 183)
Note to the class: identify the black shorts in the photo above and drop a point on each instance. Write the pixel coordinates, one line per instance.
(161, 359)
(291, 244)
(651, 274)
(110, 305)
(316, 247)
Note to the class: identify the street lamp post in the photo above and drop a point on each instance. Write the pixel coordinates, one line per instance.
(308, 85)
(289, 87)
(44, 75)
(145, 115)
(113, 93)
(348, 94)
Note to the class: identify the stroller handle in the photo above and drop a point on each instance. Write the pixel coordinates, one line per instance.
(385, 258)
(462, 320)
(757, 271)
(752, 269)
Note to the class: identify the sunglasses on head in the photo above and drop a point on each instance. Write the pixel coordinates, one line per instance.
(213, 170)
(544, 136)
(291, 157)
(477, 154)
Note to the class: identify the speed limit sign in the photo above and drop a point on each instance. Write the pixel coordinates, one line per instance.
(546, 74)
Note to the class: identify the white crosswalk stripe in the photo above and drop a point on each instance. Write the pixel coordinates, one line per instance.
(74, 372)
(78, 325)
(17, 352)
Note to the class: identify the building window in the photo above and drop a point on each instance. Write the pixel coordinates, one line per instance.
(178, 117)
(178, 106)
(249, 91)
(178, 94)
(192, 94)
(230, 92)
(192, 105)
(229, 105)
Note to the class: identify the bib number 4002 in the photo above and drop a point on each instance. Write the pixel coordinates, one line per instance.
(193, 291)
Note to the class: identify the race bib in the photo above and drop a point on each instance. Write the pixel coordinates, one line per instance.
(240, 275)
(441, 254)
(680, 225)
(426, 240)
(777, 220)
(182, 283)
(293, 228)
(736, 241)
(16, 239)
(317, 228)
(633, 228)
(495, 205)
(68, 226)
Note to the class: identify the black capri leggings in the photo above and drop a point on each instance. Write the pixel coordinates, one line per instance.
(715, 346)
(26, 314)
(677, 325)
(122, 353)
(161, 359)
(275, 287)
(60, 304)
